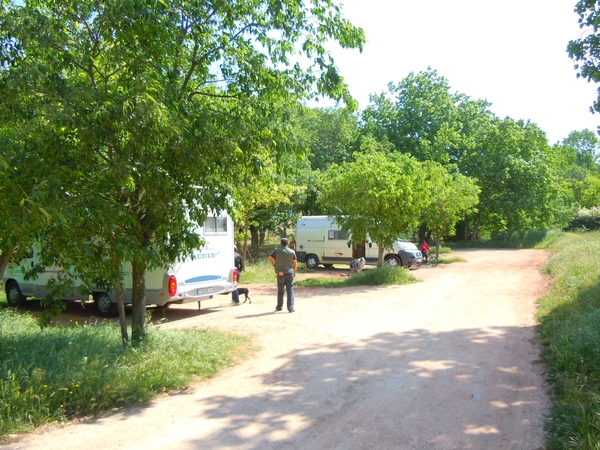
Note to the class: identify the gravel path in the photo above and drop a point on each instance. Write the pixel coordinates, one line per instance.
(451, 362)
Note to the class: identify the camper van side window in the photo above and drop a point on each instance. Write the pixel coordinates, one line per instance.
(214, 225)
(337, 235)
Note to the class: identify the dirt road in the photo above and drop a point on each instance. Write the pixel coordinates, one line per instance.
(451, 362)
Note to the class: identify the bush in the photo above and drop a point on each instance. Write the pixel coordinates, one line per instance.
(586, 219)
(515, 239)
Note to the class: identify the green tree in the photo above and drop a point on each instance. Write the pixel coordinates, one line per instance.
(574, 160)
(449, 198)
(418, 116)
(587, 147)
(332, 135)
(585, 51)
(147, 98)
(376, 195)
(511, 164)
(590, 196)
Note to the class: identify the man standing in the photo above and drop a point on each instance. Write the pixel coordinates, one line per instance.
(283, 259)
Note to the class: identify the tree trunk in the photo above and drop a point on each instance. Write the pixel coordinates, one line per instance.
(422, 235)
(475, 231)
(138, 302)
(380, 255)
(121, 309)
(245, 250)
(254, 241)
(261, 237)
(5, 258)
(120, 303)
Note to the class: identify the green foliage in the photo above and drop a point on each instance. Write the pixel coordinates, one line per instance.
(449, 198)
(569, 316)
(575, 163)
(507, 159)
(333, 135)
(516, 239)
(61, 372)
(584, 51)
(378, 195)
(148, 109)
(586, 145)
(418, 116)
(511, 164)
(381, 276)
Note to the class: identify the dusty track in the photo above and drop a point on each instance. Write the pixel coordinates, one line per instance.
(448, 363)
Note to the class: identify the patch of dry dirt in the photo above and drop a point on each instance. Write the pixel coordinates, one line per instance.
(450, 362)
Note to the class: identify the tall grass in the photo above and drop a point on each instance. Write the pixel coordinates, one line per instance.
(61, 372)
(570, 330)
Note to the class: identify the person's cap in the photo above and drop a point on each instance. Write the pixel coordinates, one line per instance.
(284, 241)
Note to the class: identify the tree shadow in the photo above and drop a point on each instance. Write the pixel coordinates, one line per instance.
(384, 392)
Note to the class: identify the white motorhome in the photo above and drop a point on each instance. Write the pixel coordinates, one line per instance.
(319, 240)
(209, 272)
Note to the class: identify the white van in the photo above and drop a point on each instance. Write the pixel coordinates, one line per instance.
(210, 272)
(319, 240)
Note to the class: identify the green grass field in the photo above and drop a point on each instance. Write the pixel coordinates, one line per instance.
(569, 327)
(56, 373)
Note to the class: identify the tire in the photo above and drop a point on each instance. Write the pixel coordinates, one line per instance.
(432, 261)
(104, 306)
(393, 261)
(14, 296)
(312, 261)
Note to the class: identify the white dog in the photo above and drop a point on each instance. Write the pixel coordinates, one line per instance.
(357, 265)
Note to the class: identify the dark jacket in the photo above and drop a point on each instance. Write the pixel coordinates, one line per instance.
(238, 261)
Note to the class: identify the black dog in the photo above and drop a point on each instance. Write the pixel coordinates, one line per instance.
(246, 293)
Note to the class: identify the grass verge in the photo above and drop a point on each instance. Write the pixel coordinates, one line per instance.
(61, 372)
(373, 277)
(569, 316)
(449, 259)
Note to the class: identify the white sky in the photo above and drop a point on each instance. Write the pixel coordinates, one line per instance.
(510, 52)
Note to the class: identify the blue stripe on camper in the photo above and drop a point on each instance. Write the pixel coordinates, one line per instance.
(203, 278)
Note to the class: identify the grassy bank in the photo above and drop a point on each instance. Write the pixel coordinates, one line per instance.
(62, 372)
(570, 330)
(383, 276)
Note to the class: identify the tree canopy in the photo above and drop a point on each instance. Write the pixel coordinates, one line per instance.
(377, 195)
(148, 104)
(585, 51)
